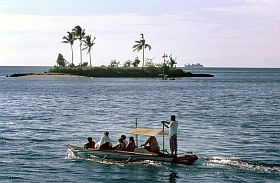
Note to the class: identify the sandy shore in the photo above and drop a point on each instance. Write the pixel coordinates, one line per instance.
(51, 75)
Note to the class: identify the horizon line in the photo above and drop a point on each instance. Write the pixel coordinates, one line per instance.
(226, 67)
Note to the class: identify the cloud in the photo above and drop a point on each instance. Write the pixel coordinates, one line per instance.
(5, 4)
(260, 8)
(115, 36)
(193, 37)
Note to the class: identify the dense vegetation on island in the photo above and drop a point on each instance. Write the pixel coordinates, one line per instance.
(119, 71)
(128, 68)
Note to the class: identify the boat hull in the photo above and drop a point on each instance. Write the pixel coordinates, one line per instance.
(133, 156)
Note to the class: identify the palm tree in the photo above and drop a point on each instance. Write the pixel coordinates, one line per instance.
(88, 43)
(70, 38)
(141, 45)
(172, 61)
(79, 34)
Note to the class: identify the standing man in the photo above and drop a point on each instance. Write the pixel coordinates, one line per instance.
(173, 125)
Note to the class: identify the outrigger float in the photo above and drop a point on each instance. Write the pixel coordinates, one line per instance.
(139, 154)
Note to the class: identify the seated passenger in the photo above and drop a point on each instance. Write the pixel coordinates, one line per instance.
(124, 139)
(151, 145)
(120, 146)
(131, 145)
(105, 142)
(90, 143)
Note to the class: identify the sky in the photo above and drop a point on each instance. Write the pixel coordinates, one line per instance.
(215, 33)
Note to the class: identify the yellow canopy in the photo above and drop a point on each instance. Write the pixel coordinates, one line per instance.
(147, 131)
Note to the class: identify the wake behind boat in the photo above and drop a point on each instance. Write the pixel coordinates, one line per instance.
(139, 154)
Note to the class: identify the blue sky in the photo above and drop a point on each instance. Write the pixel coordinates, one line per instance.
(225, 33)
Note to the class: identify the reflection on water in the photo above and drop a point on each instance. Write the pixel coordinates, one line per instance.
(173, 177)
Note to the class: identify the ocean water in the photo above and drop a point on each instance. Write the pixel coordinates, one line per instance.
(231, 121)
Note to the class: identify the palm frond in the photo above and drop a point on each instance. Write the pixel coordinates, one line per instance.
(148, 46)
(70, 38)
(141, 44)
(79, 32)
(134, 46)
(137, 48)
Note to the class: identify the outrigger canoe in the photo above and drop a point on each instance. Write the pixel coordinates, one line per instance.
(139, 154)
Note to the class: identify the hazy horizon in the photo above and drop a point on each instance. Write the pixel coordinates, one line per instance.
(176, 66)
(215, 33)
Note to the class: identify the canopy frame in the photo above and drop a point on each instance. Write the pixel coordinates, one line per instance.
(148, 131)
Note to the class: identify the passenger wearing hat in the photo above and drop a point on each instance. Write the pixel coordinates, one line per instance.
(151, 145)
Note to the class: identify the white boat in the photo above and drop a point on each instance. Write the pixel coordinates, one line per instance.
(139, 154)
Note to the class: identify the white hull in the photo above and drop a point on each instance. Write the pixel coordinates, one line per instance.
(130, 156)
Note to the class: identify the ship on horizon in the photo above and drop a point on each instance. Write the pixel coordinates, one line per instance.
(197, 65)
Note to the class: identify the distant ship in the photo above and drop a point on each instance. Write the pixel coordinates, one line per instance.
(197, 65)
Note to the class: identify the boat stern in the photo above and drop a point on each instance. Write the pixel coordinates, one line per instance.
(186, 160)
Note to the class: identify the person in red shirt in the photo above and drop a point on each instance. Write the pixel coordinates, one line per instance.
(131, 145)
(90, 143)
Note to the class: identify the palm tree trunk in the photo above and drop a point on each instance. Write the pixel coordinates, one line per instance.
(81, 53)
(72, 53)
(89, 58)
(143, 57)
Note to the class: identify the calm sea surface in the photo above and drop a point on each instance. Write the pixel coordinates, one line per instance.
(231, 121)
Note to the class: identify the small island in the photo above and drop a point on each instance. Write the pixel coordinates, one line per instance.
(105, 71)
(165, 69)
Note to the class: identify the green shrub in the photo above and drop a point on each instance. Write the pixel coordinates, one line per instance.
(118, 71)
